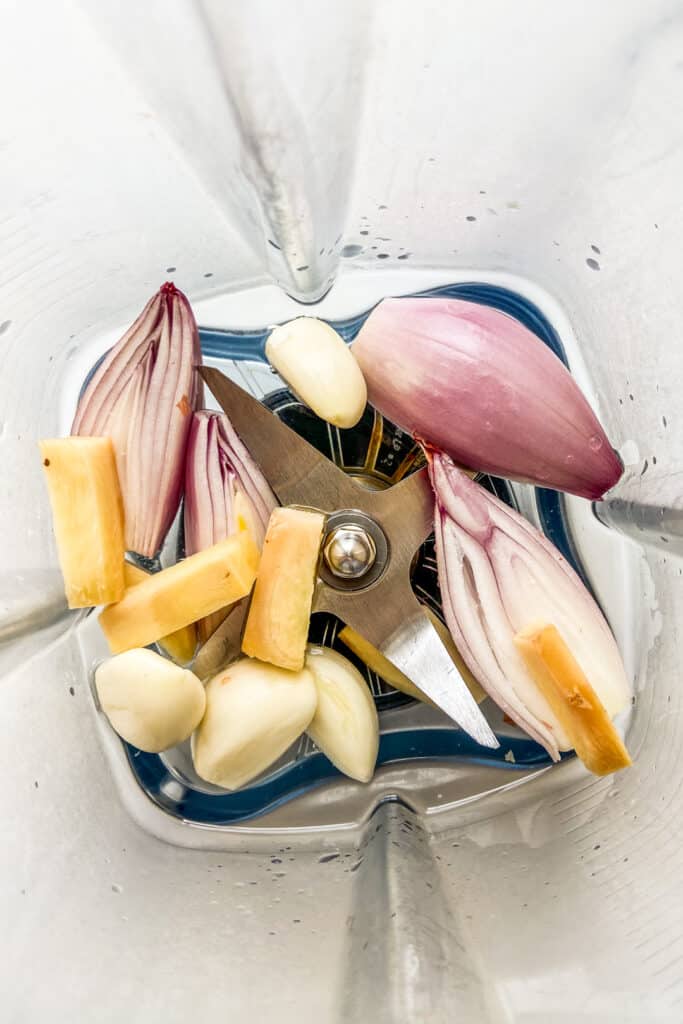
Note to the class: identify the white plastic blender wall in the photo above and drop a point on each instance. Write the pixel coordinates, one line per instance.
(533, 142)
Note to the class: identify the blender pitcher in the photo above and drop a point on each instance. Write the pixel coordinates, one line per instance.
(276, 161)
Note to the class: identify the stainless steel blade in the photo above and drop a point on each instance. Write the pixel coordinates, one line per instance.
(389, 616)
(296, 471)
(387, 612)
(221, 646)
(416, 649)
(406, 514)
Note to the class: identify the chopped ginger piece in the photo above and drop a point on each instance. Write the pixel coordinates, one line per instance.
(572, 699)
(87, 512)
(181, 644)
(280, 610)
(168, 600)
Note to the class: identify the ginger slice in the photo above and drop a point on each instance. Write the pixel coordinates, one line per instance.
(180, 645)
(187, 591)
(280, 610)
(572, 699)
(87, 513)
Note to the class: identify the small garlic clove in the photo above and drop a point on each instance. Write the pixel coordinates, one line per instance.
(320, 368)
(345, 725)
(149, 701)
(254, 711)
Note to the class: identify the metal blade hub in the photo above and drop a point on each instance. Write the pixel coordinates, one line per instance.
(355, 550)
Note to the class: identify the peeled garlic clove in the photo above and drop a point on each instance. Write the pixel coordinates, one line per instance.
(149, 701)
(345, 725)
(319, 367)
(254, 711)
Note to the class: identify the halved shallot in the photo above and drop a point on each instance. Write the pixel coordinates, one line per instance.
(142, 396)
(498, 574)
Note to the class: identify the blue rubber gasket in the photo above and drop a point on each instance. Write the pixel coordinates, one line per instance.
(296, 779)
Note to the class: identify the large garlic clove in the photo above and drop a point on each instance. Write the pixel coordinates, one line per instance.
(345, 725)
(254, 711)
(149, 701)
(320, 368)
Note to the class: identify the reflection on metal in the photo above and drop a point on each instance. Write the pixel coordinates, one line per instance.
(294, 84)
(647, 524)
(349, 549)
(403, 939)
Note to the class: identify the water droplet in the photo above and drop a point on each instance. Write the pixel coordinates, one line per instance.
(595, 443)
(569, 460)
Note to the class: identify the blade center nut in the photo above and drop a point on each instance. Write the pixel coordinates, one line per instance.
(349, 551)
